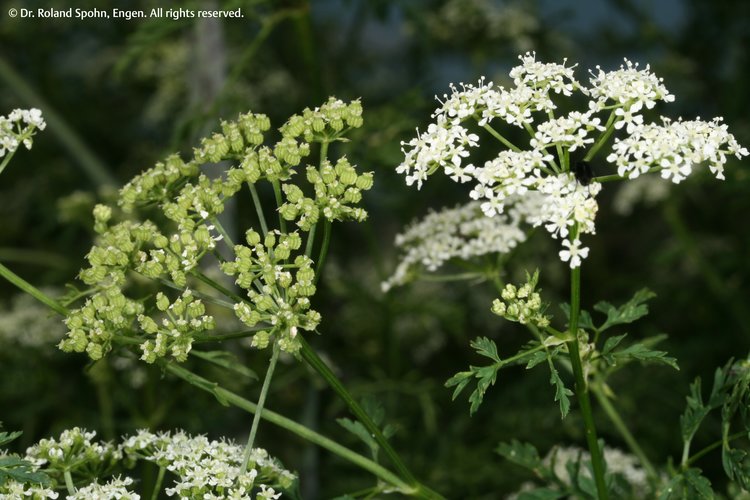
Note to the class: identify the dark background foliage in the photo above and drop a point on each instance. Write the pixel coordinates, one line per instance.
(119, 96)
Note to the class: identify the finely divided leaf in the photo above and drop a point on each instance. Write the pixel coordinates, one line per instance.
(486, 348)
(632, 310)
(20, 470)
(561, 392)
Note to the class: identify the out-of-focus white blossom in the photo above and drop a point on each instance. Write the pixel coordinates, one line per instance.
(463, 232)
(18, 128)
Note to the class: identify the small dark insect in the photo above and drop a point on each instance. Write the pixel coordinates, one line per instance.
(583, 172)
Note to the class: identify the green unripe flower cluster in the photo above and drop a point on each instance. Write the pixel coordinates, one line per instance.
(325, 123)
(92, 328)
(522, 304)
(173, 337)
(278, 291)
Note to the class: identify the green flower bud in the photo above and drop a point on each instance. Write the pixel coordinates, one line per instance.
(270, 240)
(288, 211)
(162, 302)
(327, 173)
(352, 195)
(261, 339)
(148, 325)
(364, 181)
(95, 351)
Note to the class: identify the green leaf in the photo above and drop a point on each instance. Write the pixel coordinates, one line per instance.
(523, 454)
(536, 358)
(632, 310)
(584, 318)
(695, 411)
(611, 343)
(460, 380)
(227, 361)
(20, 470)
(697, 485)
(561, 392)
(359, 430)
(541, 494)
(486, 348)
(642, 353)
(6, 437)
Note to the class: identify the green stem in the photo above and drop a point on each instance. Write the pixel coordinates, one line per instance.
(258, 208)
(319, 366)
(500, 138)
(157, 485)
(260, 405)
(609, 129)
(310, 240)
(69, 482)
(218, 287)
(227, 396)
(7, 159)
(323, 249)
(279, 202)
(617, 177)
(711, 447)
(581, 388)
(31, 290)
(622, 428)
(223, 232)
(227, 336)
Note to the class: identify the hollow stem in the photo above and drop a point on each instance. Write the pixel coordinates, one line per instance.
(310, 240)
(609, 129)
(581, 388)
(312, 358)
(32, 290)
(222, 232)
(622, 428)
(69, 482)
(229, 397)
(279, 202)
(323, 249)
(157, 485)
(500, 138)
(261, 404)
(258, 208)
(711, 447)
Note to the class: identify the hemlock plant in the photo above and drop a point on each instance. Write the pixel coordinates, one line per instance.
(152, 283)
(548, 181)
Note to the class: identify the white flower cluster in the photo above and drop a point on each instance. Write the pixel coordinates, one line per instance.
(116, 489)
(208, 469)
(74, 447)
(202, 468)
(463, 232)
(675, 147)
(570, 207)
(625, 465)
(13, 490)
(28, 323)
(18, 128)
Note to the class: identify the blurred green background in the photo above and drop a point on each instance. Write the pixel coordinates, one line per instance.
(118, 96)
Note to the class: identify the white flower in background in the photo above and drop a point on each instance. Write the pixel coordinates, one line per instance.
(463, 232)
(646, 189)
(620, 463)
(18, 128)
(544, 166)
